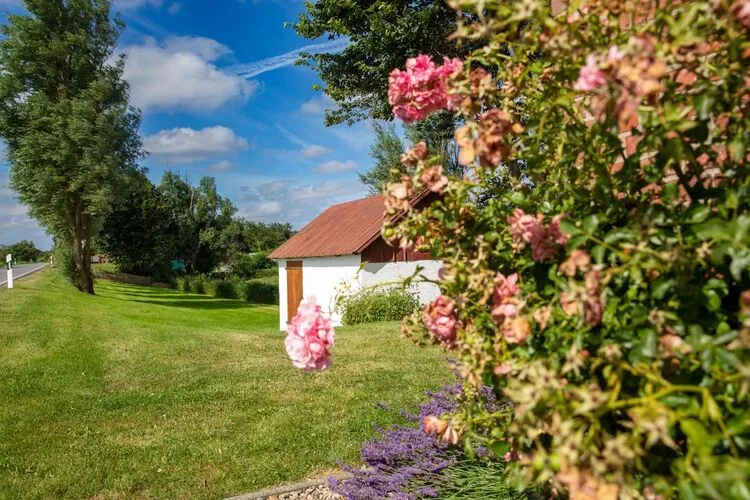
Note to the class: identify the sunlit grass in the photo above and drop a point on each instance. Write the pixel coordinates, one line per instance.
(146, 392)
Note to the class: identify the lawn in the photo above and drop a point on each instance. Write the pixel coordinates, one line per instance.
(146, 392)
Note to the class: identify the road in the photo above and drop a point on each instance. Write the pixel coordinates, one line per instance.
(20, 271)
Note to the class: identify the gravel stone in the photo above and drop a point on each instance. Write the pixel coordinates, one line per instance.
(320, 492)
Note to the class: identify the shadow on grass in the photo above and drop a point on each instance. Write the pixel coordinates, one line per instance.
(174, 298)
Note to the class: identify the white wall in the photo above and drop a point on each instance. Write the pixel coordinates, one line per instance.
(388, 272)
(321, 277)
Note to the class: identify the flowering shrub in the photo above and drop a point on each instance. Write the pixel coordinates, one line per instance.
(309, 336)
(597, 254)
(406, 463)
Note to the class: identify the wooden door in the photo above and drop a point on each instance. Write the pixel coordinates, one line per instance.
(293, 287)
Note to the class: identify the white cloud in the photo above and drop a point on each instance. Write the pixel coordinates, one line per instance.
(334, 167)
(186, 145)
(179, 74)
(221, 166)
(315, 106)
(313, 151)
(174, 8)
(287, 200)
(207, 49)
(256, 68)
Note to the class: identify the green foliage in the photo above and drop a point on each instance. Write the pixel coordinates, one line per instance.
(478, 479)
(139, 233)
(71, 136)
(625, 349)
(23, 252)
(259, 291)
(382, 34)
(62, 260)
(223, 289)
(436, 131)
(371, 305)
(250, 265)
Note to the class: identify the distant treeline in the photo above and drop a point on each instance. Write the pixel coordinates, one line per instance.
(160, 230)
(23, 252)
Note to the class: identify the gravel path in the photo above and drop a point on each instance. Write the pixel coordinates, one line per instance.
(311, 489)
(320, 492)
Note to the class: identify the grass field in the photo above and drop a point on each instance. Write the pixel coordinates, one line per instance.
(141, 392)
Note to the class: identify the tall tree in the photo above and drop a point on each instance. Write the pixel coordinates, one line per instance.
(64, 114)
(386, 150)
(139, 233)
(201, 215)
(382, 34)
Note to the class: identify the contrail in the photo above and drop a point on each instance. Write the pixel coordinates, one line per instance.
(256, 68)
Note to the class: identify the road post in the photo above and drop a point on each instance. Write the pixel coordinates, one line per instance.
(9, 263)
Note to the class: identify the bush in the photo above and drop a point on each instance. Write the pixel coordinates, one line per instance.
(371, 305)
(597, 256)
(184, 283)
(405, 462)
(62, 258)
(198, 284)
(258, 291)
(249, 265)
(223, 289)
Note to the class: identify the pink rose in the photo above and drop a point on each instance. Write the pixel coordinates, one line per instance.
(309, 336)
(505, 287)
(440, 318)
(741, 10)
(590, 77)
(516, 330)
(434, 179)
(421, 88)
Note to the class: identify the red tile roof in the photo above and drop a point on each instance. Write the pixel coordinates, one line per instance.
(343, 229)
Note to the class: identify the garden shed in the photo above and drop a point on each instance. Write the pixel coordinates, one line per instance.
(343, 245)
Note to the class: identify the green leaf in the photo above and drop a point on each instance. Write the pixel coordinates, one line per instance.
(698, 438)
(590, 224)
(714, 229)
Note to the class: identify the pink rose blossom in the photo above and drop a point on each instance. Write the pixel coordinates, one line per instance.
(421, 89)
(544, 240)
(309, 336)
(741, 10)
(516, 330)
(434, 179)
(440, 318)
(505, 287)
(591, 77)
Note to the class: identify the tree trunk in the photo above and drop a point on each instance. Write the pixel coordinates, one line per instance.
(80, 238)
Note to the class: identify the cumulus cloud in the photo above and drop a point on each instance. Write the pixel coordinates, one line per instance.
(179, 73)
(334, 167)
(221, 166)
(313, 151)
(186, 145)
(288, 200)
(315, 106)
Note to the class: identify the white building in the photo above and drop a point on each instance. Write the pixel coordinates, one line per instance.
(344, 245)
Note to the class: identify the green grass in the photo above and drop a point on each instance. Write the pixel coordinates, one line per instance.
(147, 392)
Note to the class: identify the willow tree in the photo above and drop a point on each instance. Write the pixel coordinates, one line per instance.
(64, 113)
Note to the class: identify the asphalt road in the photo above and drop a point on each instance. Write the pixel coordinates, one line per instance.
(20, 271)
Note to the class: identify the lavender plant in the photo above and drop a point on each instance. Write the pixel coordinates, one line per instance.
(404, 462)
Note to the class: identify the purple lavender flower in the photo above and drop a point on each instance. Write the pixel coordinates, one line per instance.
(403, 462)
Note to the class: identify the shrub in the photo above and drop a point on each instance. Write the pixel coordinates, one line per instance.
(183, 283)
(405, 462)
(198, 284)
(249, 265)
(258, 291)
(597, 254)
(371, 305)
(62, 258)
(223, 289)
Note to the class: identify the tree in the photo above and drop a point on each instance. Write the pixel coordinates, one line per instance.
(139, 233)
(24, 251)
(200, 215)
(386, 151)
(64, 115)
(382, 34)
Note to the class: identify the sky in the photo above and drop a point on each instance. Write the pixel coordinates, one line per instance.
(221, 96)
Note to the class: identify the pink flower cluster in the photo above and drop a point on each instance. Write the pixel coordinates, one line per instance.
(309, 336)
(440, 318)
(545, 240)
(503, 300)
(421, 88)
(590, 77)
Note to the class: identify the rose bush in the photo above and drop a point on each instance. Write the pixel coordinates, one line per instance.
(597, 254)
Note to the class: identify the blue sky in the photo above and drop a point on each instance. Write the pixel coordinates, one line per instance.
(220, 96)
